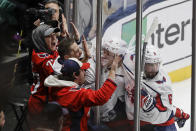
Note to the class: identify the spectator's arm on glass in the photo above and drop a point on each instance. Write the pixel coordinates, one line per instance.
(87, 54)
(76, 32)
(64, 32)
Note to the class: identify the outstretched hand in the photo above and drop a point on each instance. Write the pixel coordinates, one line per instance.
(114, 66)
(116, 61)
(64, 32)
(87, 53)
(76, 32)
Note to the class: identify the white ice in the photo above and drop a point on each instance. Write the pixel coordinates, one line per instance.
(182, 99)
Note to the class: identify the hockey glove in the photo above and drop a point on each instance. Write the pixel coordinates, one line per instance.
(181, 117)
(111, 115)
(147, 101)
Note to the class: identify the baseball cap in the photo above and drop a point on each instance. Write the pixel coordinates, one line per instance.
(73, 65)
(51, 30)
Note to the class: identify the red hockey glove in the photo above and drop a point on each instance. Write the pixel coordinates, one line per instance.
(181, 117)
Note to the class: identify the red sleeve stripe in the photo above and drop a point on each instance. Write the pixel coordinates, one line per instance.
(159, 104)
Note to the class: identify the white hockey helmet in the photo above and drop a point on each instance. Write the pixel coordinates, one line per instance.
(116, 46)
(152, 55)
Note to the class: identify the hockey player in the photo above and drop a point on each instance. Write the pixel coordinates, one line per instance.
(113, 111)
(66, 90)
(43, 56)
(156, 93)
(110, 47)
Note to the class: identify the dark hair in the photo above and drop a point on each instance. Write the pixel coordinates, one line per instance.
(53, 1)
(50, 108)
(69, 77)
(50, 116)
(64, 46)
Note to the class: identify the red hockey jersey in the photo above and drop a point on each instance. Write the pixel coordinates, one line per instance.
(42, 66)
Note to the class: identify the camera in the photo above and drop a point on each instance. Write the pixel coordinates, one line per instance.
(44, 15)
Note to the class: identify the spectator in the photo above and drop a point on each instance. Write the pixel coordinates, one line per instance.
(58, 15)
(58, 18)
(43, 56)
(68, 48)
(111, 109)
(51, 118)
(156, 93)
(66, 90)
(54, 4)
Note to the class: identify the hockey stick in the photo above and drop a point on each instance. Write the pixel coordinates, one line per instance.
(148, 35)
